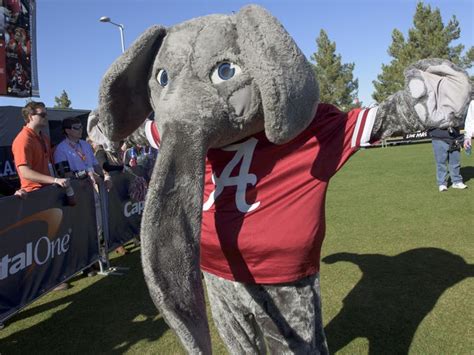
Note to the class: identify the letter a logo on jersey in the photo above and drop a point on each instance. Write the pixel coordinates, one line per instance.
(244, 153)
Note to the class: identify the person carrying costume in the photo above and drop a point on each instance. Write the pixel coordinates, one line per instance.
(447, 152)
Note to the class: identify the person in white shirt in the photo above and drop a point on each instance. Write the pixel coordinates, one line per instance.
(469, 126)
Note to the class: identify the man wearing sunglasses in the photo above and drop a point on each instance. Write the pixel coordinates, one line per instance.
(32, 150)
(78, 153)
(79, 156)
(32, 153)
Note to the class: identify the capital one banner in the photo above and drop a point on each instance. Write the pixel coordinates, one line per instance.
(18, 69)
(43, 242)
(124, 214)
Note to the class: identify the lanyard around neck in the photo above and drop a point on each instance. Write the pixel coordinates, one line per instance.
(78, 151)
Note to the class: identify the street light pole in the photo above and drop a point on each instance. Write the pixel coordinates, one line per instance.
(122, 40)
(121, 28)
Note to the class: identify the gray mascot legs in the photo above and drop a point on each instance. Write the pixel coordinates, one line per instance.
(283, 318)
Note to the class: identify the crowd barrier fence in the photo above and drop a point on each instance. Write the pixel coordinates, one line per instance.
(44, 241)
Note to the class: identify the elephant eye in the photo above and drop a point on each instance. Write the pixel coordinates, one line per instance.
(162, 77)
(224, 71)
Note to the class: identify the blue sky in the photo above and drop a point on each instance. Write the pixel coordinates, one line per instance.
(75, 49)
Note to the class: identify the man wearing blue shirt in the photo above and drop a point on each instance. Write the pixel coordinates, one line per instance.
(78, 153)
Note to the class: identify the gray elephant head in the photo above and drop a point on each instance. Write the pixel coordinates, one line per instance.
(211, 81)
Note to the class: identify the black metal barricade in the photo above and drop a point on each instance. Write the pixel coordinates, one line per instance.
(44, 242)
(123, 213)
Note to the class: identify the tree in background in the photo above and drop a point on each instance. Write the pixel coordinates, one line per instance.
(429, 38)
(62, 101)
(337, 85)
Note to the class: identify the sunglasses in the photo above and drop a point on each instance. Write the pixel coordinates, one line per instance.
(76, 127)
(41, 114)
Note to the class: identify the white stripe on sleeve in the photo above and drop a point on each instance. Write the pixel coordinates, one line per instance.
(369, 124)
(357, 127)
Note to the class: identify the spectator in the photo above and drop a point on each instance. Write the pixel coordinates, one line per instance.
(130, 154)
(32, 153)
(143, 157)
(447, 151)
(81, 160)
(78, 153)
(469, 127)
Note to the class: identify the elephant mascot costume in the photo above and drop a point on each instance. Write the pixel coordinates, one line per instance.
(246, 155)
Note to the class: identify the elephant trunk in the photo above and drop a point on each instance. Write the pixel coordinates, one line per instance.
(170, 231)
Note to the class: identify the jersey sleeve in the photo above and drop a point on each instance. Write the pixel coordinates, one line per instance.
(364, 123)
(340, 135)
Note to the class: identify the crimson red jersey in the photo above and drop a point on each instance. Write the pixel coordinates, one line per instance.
(264, 204)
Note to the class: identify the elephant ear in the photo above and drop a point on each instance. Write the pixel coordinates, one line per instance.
(123, 97)
(288, 86)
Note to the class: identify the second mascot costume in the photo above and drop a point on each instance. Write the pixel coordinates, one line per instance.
(246, 155)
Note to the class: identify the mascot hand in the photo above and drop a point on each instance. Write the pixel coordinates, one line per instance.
(436, 95)
(441, 92)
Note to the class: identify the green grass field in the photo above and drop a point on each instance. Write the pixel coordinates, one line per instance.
(397, 274)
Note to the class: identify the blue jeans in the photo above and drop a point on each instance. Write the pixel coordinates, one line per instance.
(445, 161)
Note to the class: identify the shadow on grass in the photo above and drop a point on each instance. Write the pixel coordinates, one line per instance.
(393, 297)
(108, 316)
(467, 173)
